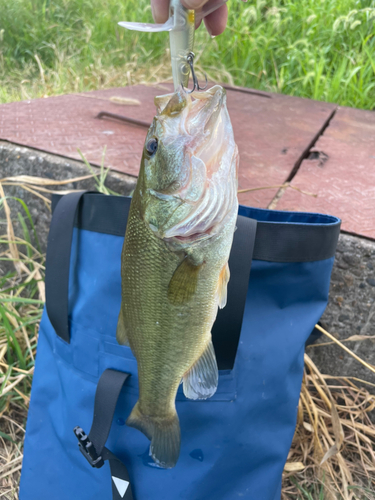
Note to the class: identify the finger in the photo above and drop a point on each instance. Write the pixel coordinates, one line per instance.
(193, 4)
(160, 10)
(217, 21)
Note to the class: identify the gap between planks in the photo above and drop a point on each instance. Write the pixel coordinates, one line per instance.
(273, 204)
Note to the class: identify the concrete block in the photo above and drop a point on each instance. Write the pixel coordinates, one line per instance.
(350, 311)
(17, 160)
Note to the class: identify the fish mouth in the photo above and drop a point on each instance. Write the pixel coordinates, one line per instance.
(205, 112)
(191, 238)
(182, 238)
(209, 192)
(194, 114)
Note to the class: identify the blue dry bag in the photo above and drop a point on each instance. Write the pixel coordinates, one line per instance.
(235, 444)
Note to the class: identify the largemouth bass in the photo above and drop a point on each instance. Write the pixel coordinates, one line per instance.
(175, 259)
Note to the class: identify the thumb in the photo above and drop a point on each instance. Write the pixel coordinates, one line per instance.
(160, 10)
(193, 4)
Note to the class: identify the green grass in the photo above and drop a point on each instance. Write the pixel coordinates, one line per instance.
(321, 49)
(21, 276)
(315, 492)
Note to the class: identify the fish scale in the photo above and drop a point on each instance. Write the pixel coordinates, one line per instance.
(149, 269)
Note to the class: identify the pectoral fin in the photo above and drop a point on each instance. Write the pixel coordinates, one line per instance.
(121, 335)
(200, 382)
(183, 284)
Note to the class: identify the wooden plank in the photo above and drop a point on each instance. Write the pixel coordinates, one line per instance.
(341, 172)
(272, 131)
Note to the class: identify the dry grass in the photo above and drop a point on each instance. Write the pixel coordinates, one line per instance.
(21, 300)
(333, 450)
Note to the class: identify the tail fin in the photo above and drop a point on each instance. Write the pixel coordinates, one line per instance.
(164, 435)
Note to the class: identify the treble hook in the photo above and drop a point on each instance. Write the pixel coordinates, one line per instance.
(196, 86)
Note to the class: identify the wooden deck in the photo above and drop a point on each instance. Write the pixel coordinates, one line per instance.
(327, 154)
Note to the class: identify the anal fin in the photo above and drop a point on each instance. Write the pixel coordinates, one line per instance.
(121, 335)
(200, 382)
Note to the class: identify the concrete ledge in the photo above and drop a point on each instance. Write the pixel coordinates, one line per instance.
(351, 308)
(350, 311)
(17, 160)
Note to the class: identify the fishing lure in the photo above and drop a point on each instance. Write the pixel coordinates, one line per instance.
(181, 28)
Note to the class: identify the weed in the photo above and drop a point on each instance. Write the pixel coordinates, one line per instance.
(321, 49)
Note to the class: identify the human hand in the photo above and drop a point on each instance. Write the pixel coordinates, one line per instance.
(215, 22)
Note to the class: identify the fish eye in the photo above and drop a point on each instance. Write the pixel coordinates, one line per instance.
(152, 146)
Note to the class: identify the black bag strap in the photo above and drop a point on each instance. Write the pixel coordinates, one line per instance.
(227, 328)
(58, 262)
(65, 216)
(92, 446)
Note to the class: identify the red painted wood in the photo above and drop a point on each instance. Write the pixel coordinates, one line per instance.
(342, 175)
(272, 131)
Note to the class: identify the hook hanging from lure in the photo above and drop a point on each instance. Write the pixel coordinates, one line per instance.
(181, 27)
(181, 41)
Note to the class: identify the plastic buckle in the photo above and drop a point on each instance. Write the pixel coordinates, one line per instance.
(87, 448)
